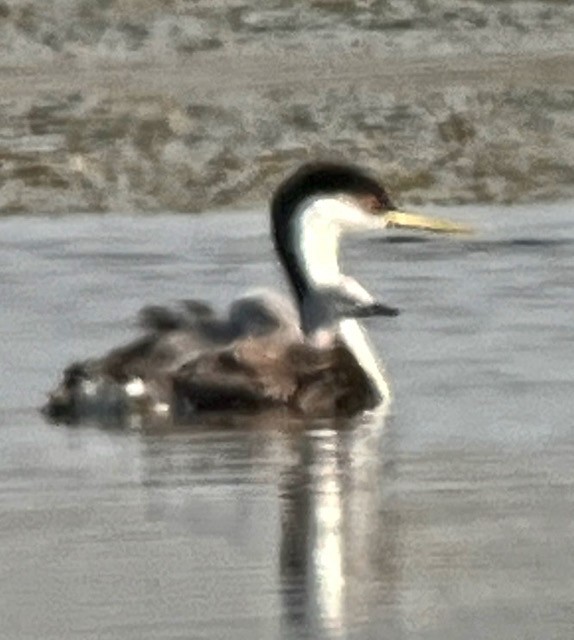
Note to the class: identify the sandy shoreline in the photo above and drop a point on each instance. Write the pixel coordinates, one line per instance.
(122, 106)
(216, 73)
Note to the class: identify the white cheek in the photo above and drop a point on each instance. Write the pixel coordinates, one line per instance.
(320, 223)
(318, 242)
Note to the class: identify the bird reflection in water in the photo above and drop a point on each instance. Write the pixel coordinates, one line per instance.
(334, 543)
(309, 504)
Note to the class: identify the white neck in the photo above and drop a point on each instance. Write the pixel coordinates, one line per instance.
(317, 244)
(320, 224)
(357, 342)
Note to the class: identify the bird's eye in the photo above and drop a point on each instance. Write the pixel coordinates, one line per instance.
(371, 203)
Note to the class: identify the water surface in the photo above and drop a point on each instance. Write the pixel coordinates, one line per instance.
(449, 518)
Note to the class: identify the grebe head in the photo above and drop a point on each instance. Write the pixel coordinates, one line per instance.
(309, 211)
(327, 180)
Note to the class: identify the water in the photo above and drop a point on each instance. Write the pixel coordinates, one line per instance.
(451, 518)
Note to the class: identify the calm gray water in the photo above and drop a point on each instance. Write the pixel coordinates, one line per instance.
(451, 518)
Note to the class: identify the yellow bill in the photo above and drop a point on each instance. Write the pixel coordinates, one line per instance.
(404, 220)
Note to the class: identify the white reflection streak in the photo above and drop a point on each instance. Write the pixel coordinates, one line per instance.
(327, 575)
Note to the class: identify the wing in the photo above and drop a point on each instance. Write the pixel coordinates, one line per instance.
(264, 312)
(331, 383)
(189, 314)
(255, 374)
(175, 335)
(189, 333)
(247, 375)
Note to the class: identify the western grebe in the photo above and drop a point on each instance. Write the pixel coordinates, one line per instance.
(314, 360)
